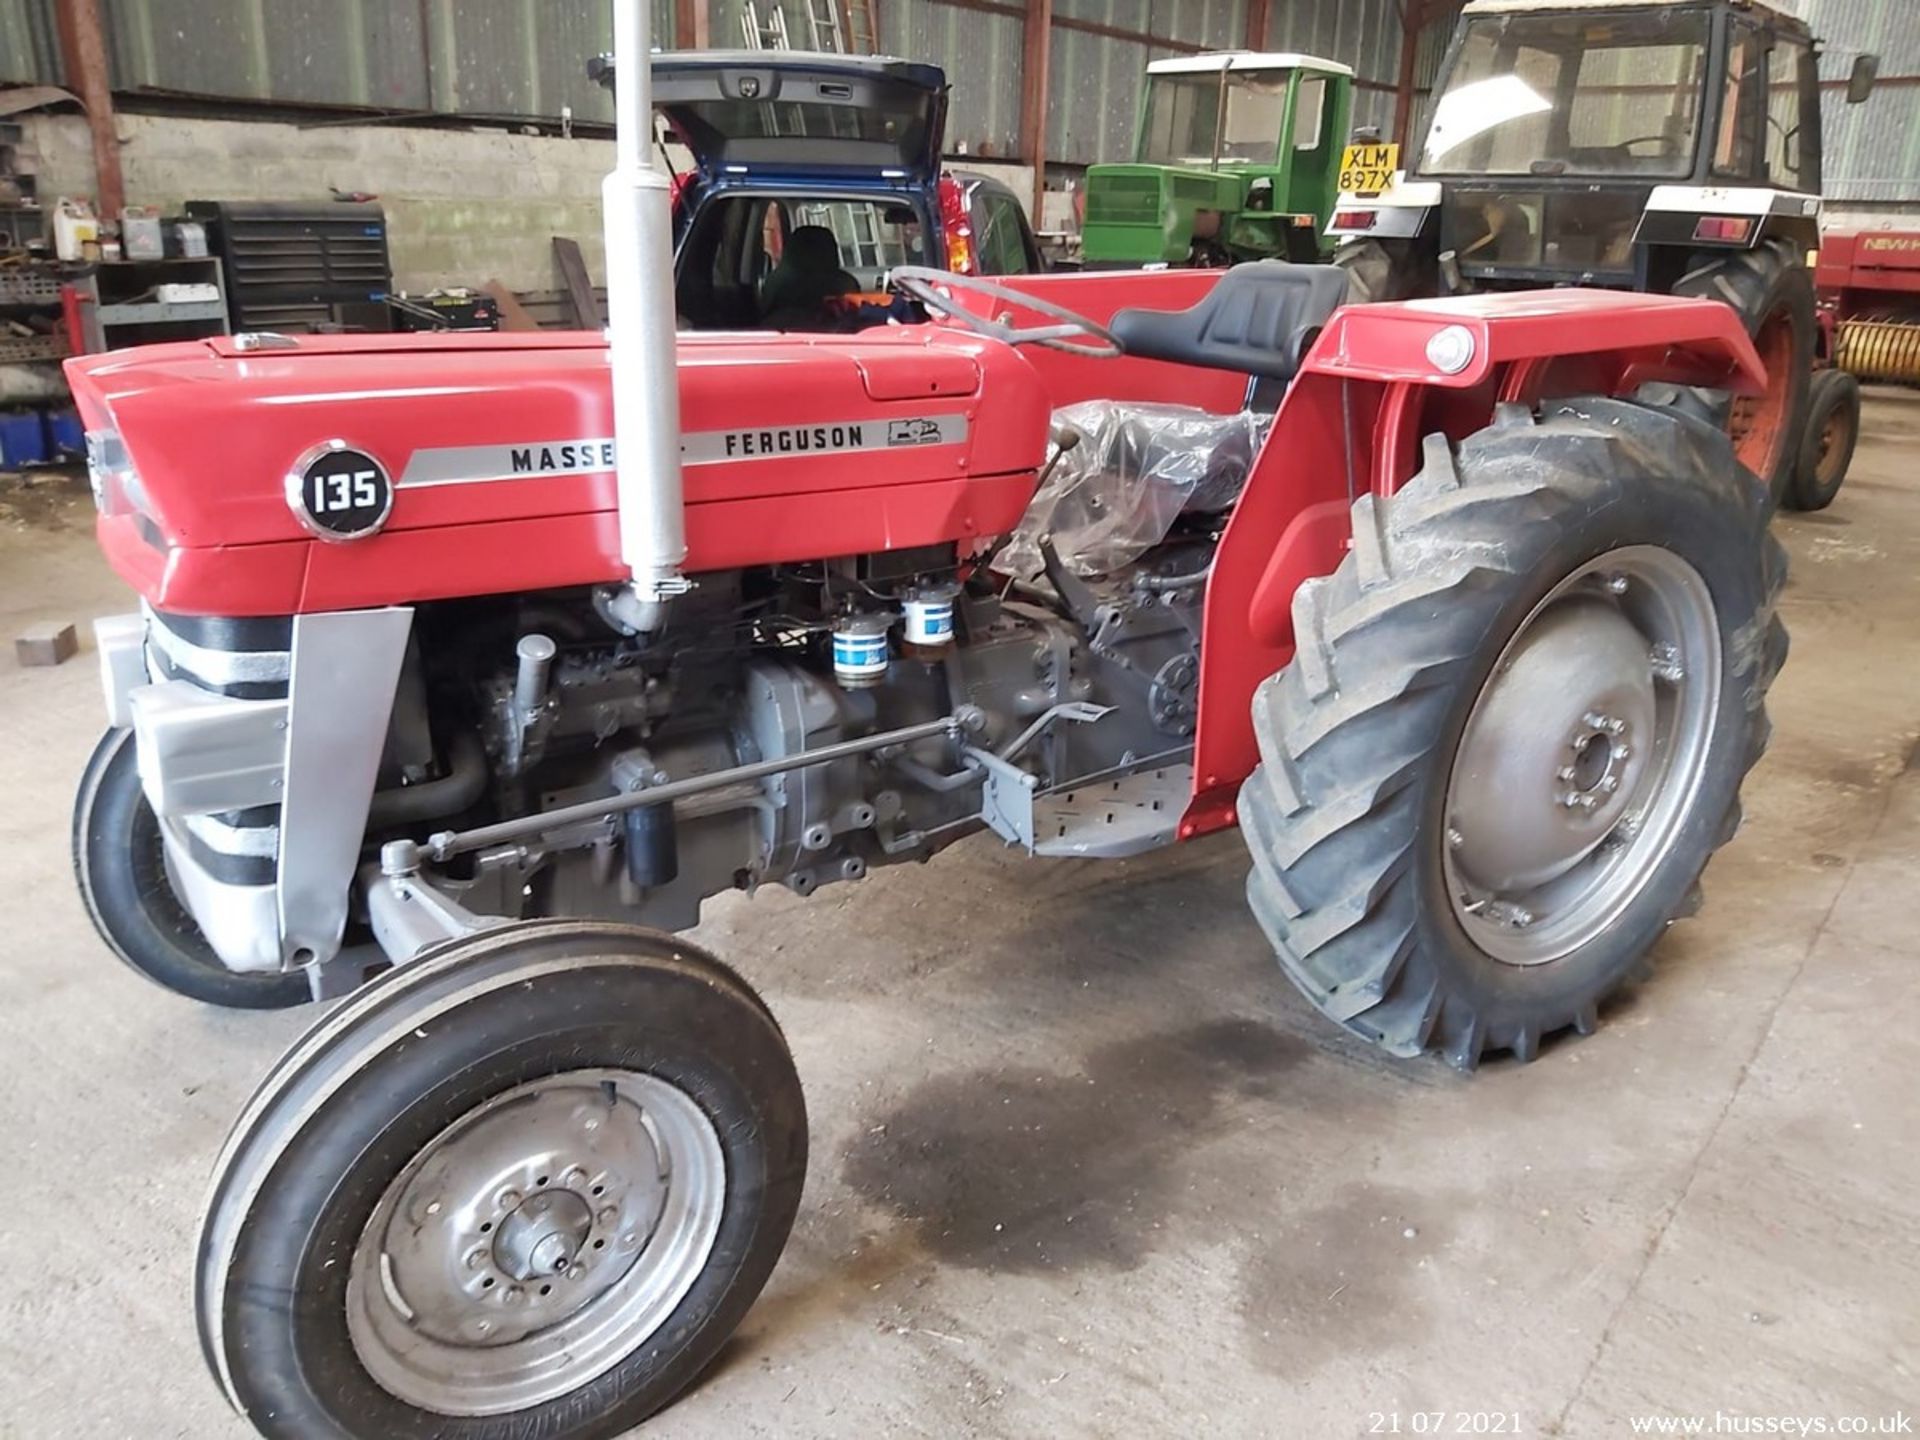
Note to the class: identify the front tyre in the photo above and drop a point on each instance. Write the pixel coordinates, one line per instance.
(1515, 727)
(120, 865)
(1826, 449)
(525, 1185)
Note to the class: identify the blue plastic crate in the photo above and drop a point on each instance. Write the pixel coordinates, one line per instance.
(66, 436)
(23, 439)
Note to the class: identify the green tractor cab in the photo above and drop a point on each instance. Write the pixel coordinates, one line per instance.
(1237, 159)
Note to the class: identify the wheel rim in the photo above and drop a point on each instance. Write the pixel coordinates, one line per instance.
(536, 1242)
(1582, 755)
(1835, 431)
(1757, 424)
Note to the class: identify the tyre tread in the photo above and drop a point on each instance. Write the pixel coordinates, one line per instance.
(1340, 731)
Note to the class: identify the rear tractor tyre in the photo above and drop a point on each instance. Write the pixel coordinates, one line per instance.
(1384, 270)
(1826, 449)
(120, 864)
(527, 1184)
(1771, 290)
(1515, 727)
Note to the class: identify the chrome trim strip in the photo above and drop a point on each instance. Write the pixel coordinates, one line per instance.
(255, 841)
(219, 667)
(238, 921)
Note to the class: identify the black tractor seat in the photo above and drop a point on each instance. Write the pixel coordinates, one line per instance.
(1259, 320)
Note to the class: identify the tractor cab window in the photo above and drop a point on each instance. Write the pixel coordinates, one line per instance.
(1735, 151)
(1183, 112)
(1786, 147)
(1557, 94)
(1205, 117)
(1256, 111)
(1309, 116)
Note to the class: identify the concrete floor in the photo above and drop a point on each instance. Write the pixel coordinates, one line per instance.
(1083, 1164)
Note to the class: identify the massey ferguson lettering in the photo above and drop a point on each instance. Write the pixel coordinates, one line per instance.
(539, 459)
(794, 440)
(568, 457)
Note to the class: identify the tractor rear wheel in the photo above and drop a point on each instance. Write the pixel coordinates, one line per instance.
(120, 864)
(1771, 290)
(1384, 270)
(526, 1184)
(1826, 450)
(1515, 727)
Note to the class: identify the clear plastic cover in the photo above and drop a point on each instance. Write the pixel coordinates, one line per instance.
(1116, 494)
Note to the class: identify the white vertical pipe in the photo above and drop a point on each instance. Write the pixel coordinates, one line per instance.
(636, 212)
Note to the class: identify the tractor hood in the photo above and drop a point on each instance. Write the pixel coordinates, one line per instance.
(759, 113)
(497, 454)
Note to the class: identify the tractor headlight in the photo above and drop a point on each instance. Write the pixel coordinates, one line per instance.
(1450, 350)
(110, 474)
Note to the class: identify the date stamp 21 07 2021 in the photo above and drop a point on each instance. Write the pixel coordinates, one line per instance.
(1443, 1422)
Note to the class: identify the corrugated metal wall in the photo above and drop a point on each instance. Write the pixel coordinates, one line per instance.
(984, 57)
(1362, 33)
(29, 52)
(1095, 80)
(508, 58)
(525, 58)
(1872, 151)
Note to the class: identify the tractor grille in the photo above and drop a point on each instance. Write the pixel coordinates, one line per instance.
(247, 659)
(1879, 349)
(1124, 200)
(1200, 190)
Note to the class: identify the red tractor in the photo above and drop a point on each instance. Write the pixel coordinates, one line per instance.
(432, 680)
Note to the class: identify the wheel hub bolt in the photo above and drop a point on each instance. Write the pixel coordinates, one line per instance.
(543, 1235)
(1617, 584)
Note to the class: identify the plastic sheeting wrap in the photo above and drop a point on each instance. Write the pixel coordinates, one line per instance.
(1137, 468)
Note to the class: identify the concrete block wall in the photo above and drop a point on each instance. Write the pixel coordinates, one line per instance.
(463, 206)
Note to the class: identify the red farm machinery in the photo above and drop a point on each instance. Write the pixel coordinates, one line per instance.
(467, 666)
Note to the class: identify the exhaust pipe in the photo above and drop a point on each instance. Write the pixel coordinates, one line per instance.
(636, 211)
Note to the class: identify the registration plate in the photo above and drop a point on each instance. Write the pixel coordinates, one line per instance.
(1366, 170)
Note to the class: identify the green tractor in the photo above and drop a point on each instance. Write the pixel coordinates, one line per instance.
(1664, 146)
(1237, 158)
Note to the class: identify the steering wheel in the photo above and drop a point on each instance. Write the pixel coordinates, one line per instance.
(927, 287)
(1666, 142)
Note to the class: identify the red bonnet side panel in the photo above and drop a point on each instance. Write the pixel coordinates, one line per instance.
(795, 447)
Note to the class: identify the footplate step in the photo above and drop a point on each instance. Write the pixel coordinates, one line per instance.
(1114, 818)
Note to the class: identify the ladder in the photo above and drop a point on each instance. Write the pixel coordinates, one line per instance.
(770, 34)
(823, 24)
(863, 30)
(828, 30)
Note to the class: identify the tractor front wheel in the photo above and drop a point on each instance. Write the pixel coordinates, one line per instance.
(120, 864)
(1826, 450)
(526, 1184)
(1515, 727)
(1771, 290)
